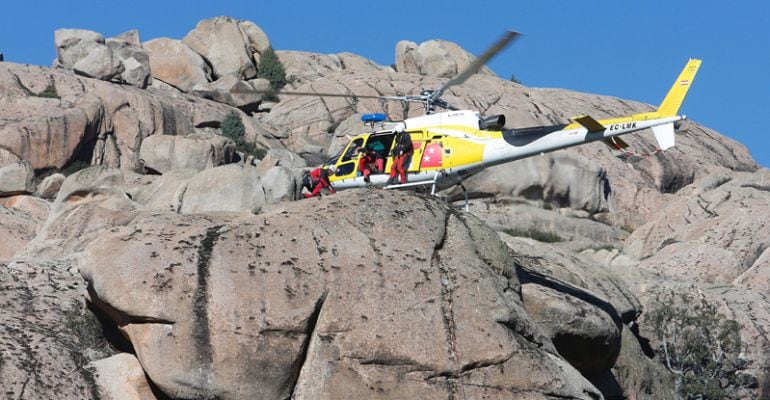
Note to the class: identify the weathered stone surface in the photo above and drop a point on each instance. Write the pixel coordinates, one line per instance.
(175, 63)
(302, 66)
(50, 186)
(73, 45)
(86, 53)
(136, 61)
(89, 202)
(34, 207)
(163, 153)
(573, 232)
(280, 157)
(99, 63)
(282, 184)
(434, 58)
(560, 179)
(334, 312)
(233, 187)
(557, 286)
(16, 178)
(17, 228)
(97, 121)
(232, 91)
(165, 192)
(47, 336)
(121, 377)
(7, 158)
(229, 45)
(710, 234)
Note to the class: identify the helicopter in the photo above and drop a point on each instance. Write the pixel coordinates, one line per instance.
(452, 145)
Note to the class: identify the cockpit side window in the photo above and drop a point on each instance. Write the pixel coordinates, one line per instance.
(352, 150)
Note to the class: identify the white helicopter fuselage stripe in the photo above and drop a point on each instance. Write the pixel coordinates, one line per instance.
(498, 151)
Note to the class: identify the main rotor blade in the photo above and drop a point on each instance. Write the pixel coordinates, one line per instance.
(476, 65)
(316, 94)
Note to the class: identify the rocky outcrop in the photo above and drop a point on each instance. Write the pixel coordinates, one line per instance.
(234, 187)
(230, 46)
(86, 53)
(302, 66)
(136, 61)
(97, 122)
(435, 58)
(121, 377)
(559, 179)
(306, 306)
(175, 63)
(163, 153)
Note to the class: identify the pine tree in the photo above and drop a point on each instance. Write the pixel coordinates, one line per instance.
(271, 68)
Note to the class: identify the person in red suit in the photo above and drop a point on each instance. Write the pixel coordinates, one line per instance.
(369, 163)
(402, 154)
(316, 180)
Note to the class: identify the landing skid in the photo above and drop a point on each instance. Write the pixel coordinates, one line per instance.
(434, 188)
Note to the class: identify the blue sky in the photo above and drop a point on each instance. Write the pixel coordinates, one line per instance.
(631, 50)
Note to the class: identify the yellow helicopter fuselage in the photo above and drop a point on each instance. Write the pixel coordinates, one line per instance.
(451, 146)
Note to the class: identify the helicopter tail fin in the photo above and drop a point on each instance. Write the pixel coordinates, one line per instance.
(670, 105)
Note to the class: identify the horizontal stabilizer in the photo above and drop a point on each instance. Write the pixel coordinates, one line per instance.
(589, 123)
(664, 134)
(615, 143)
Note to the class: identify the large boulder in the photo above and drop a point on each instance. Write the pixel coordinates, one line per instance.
(229, 45)
(175, 63)
(434, 58)
(233, 187)
(49, 186)
(136, 61)
(557, 286)
(121, 377)
(366, 308)
(163, 153)
(86, 53)
(16, 178)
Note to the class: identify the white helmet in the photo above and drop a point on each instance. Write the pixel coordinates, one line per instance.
(398, 128)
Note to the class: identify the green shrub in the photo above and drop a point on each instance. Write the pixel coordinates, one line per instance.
(699, 346)
(75, 166)
(514, 79)
(232, 127)
(49, 92)
(271, 68)
(540, 236)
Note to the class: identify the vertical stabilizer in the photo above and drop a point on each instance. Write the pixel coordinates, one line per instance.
(670, 105)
